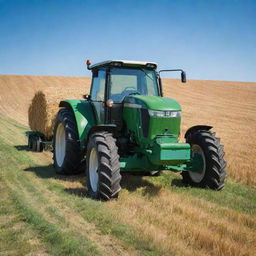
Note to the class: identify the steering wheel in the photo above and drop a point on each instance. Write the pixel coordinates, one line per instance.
(130, 90)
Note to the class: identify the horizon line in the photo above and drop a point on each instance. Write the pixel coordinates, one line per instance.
(194, 79)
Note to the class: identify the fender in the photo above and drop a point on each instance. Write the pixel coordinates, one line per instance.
(84, 115)
(197, 128)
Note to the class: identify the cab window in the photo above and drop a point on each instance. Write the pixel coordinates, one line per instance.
(98, 85)
(124, 81)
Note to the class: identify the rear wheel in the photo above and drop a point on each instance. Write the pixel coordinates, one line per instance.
(102, 167)
(207, 161)
(67, 155)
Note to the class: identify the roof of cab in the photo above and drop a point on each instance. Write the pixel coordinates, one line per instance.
(125, 63)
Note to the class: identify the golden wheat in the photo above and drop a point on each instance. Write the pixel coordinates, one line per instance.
(228, 106)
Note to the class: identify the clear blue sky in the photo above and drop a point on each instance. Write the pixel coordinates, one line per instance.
(210, 39)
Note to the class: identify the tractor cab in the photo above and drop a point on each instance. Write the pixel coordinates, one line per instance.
(113, 81)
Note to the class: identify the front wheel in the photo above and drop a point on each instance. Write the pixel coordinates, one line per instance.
(102, 167)
(207, 168)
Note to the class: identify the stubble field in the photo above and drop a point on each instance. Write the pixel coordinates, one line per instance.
(42, 213)
(227, 106)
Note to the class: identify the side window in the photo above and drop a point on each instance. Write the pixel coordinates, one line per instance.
(151, 84)
(98, 85)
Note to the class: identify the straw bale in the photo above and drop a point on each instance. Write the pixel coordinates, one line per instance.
(45, 106)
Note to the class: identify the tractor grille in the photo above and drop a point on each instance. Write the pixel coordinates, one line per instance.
(145, 121)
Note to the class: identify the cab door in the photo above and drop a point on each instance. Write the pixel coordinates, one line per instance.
(98, 94)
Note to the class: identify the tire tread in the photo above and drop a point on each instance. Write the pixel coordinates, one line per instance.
(215, 163)
(109, 166)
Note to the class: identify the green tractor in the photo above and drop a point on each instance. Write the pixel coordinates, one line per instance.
(126, 125)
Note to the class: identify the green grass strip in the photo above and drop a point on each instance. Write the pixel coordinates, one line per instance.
(60, 243)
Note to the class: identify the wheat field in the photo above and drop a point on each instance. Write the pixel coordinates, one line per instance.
(42, 213)
(230, 108)
(227, 106)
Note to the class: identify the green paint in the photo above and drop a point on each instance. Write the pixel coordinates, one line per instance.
(137, 162)
(155, 102)
(164, 156)
(84, 116)
(167, 126)
(157, 126)
(170, 153)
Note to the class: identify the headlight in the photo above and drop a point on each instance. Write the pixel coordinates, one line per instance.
(164, 114)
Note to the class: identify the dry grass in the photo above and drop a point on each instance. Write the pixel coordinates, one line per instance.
(228, 106)
(187, 226)
(172, 221)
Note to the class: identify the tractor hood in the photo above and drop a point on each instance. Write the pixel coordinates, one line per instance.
(152, 102)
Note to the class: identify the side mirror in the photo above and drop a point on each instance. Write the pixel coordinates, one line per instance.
(183, 77)
(87, 96)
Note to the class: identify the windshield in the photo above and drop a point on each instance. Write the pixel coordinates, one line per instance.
(124, 82)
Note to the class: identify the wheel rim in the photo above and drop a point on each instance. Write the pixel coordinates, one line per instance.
(60, 144)
(93, 170)
(198, 175)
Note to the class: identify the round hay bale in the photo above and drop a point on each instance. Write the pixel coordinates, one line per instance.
(45, 106)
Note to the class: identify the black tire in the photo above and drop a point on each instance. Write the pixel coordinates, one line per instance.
(30, 143)
(72, 154)
(35, 143)
(214, 175)
(107, 184)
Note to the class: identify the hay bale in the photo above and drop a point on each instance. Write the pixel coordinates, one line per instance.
(45, 106)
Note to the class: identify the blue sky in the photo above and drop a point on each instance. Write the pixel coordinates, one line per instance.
(210, 39)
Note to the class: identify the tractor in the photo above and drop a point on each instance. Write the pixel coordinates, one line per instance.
(127, 125)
